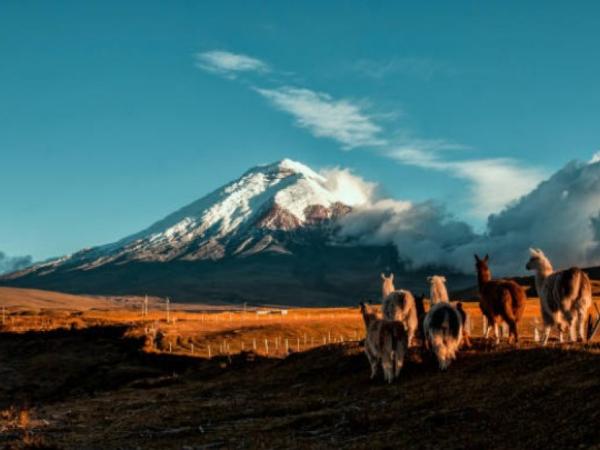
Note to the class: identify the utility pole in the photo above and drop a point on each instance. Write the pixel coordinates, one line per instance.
(168, 311)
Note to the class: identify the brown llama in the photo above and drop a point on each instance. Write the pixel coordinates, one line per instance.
(500, 300)
(385, 345)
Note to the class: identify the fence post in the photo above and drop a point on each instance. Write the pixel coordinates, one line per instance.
(298, 344)
(287, 346)
(209, 352)
(267, 346)
(192, 349)
(168, 310)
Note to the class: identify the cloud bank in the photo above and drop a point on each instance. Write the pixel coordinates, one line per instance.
(561, 216)
(11, 263)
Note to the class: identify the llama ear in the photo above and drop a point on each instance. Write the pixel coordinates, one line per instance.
(383, 276)
(477, 258)
(443, 278)
(429, 279)
(487, 258)
(532, 251)
(392, 276)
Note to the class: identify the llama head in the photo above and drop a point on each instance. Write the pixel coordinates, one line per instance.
(435, 279)
(368, 315)
(538, 261)
(390, 278)
(483, 270)
(388, 285)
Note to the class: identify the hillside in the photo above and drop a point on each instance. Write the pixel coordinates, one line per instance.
(317, 399)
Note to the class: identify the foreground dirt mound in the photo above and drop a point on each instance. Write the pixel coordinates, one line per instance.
(96, 389)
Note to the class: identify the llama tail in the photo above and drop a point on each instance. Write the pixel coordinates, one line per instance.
(441, 349)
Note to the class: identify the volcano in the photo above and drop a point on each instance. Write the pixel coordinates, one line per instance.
(268, 237)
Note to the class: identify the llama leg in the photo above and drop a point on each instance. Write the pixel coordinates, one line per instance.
(573, 329)
(547, 330)
(488, 328)
(514, 332)
(560, 336)
(373, 361)
(411, 335)
(386, 365)
(497, 333)
(467, 339)
(581, 326)
(399, 360)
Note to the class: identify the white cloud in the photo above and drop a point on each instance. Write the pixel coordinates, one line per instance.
(349, 188)
(341, 120)
(11, 263)
(595, 158)
(229, 64)
(494, 182)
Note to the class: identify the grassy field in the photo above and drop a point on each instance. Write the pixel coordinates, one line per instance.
(87, 372)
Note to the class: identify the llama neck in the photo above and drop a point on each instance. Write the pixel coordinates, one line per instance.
(541, 274)
(367, 318)
(483, 277)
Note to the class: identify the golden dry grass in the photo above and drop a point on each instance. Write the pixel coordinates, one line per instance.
(189, 330)
(74, 377)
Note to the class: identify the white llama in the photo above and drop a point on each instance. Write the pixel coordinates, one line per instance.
(437, 289)
(565, 296)
(400, 306)
(386, 344)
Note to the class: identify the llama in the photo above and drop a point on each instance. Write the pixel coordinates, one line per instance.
(388, 286)
(565, 296)
(500, 300)
(443, 329)
(437, 289)
(386, 344)
(400, 305)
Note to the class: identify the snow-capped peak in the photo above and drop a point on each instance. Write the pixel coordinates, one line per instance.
(283, 196)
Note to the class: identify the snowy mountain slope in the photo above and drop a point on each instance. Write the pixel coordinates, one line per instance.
(255, 213)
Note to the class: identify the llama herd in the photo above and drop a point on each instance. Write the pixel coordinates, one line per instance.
(565, 298)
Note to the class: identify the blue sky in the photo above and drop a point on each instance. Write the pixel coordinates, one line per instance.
(114, 114)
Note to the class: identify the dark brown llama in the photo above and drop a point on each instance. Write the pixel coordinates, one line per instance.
(500, 300)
